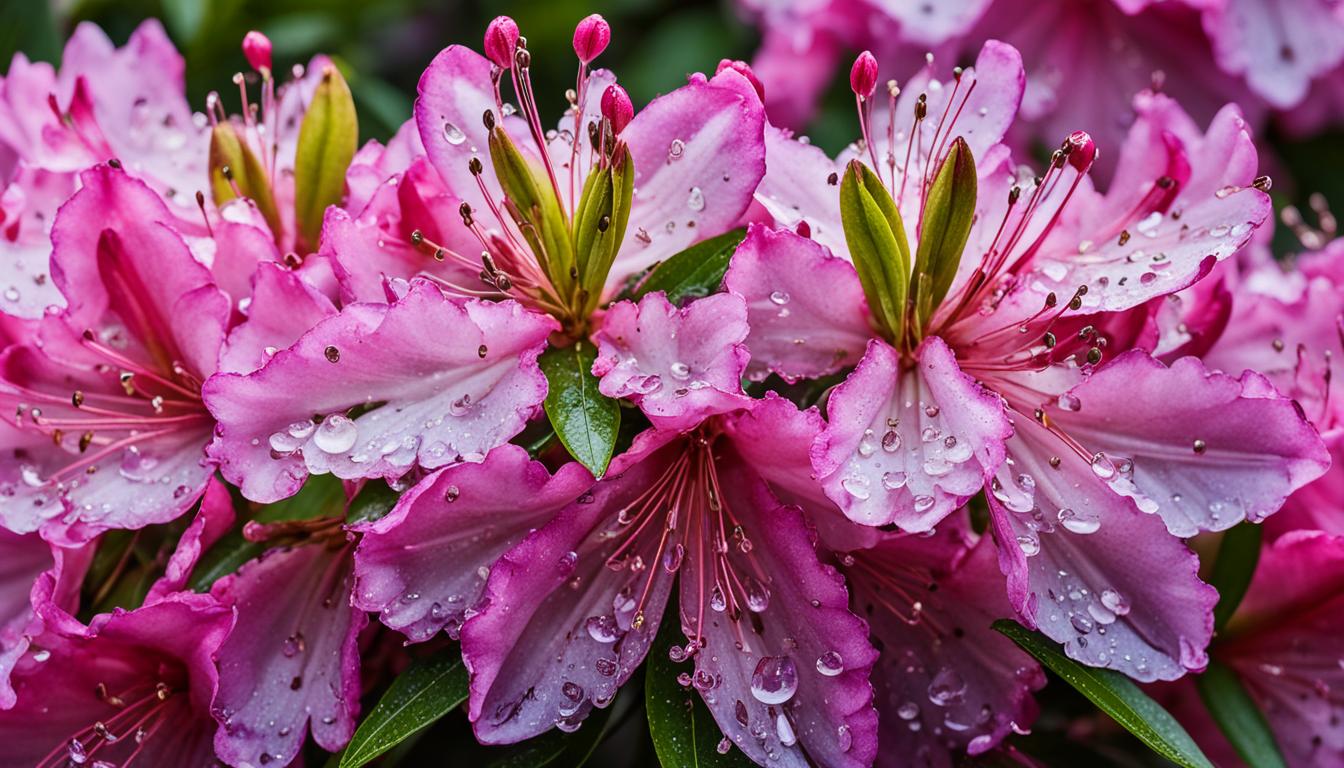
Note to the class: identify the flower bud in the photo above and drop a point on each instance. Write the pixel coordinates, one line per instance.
(743, 69)
(863, 75)
(1082, 150)
(591, 37)
(257, 49)
(617, 108)
(501, 37)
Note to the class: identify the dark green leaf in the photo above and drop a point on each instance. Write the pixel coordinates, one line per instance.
(321, 495)
(373, 501)
(1238, 716)
(683, 731)
(586, 421)
(1237, 555)
(1116, 695)
(426, 691)
(695, 272)
(556, 749)
(945, 227)
(328, 139)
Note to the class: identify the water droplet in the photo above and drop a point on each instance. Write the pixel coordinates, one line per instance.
(672, 558)
(1030, 545)
(1102, 466)
(724, 745)
(779, 297)
(676, 149)
(453, 135)
(1081, 623)
(567, 562)
(680, 371)
(891, 441)
(947, 688)
(923, 503)
(908, 711)
(784, 730)
(336, 434)
(758, 595)
(857, 486)
(293, 645)
(830, 664)
(893, 480)
(930, 434)
(775, 680)
(844, 739)
(1115, 602)
(605, 667)
(1083, 522)
(696, 200)
(1069, 402)
(301, 430)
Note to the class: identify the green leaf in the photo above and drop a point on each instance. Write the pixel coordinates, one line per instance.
(599, 224)
(328, 139)
(877, 245)
(586, 420)
(372, 502)
(1238, 716)
(426, 691)
(946, 224)
(1237, 556)
(321, 495)
(682, 729)
(695, 272)
(1116, 695)
(233, 166)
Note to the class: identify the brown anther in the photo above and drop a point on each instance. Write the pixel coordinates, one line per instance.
(921, 107)
(1054, 462)
(1051, 300)
(1200, 446)
(293, 260)
(226, 172)
(417, 237)
(1165, 182)
(77, 398)
(85, 440)
(162, 691)
(114, 163)
(603, 223)
(475, 166)
(57, 436)
(522, 57)
(1262, 183)
(1049, 340)
(127, 380)
(489, 119)
(833, 179)
(1014, 194)
(1094, 355)
(1124, 236)
(100, 690)
(439, 254)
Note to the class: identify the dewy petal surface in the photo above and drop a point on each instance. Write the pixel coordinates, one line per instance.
(424, 565)
(1207, 450)
(908, 446)
(680, 366)
(430, 397)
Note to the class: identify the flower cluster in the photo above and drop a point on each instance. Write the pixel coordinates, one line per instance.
(666, 381)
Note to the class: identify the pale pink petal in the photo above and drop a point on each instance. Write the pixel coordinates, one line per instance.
(1091, 571)
(454, 94)
(212, 521)
(908, 446)
(436, 397)
(1278, 45)
(806, 308)
(422, 566)
(1201, 449)
(699, 153)
(802, 187)
(28, 207)
(795, 70)
(291, 661)
(680, 366)
(282, 307)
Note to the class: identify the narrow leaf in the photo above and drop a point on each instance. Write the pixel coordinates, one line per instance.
(945, 227)
(373, 501)
(425, 692)
(1238, 716)
(695, 272)
(1237, 556)
(328, 139)
(1116, 695)
(586, 420)
(682, 729)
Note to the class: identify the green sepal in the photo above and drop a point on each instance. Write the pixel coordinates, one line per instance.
(249, 177)
(878, 247)
(535, 207)
(328, 139)
(608, 193)
(949, 211)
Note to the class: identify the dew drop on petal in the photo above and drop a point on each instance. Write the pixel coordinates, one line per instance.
(336, 434)
(775, 680)
(830, 664)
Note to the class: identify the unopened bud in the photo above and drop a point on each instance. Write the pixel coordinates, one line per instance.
(501, 37)
(616, 107)
(863, 75)
(591, 37)
(257, 49)
(1082, 151)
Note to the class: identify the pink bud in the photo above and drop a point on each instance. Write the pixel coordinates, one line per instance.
(257, 49)
(743, 69)
(1082, 150)
(617, 108)
(591, 37)
(501, 38)
(863, 75)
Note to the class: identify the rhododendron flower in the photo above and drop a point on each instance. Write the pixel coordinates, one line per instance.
(488, 203)
(34, 571)
(133, 685)
(566, 614)
(1002, 346)
(106, 397)
(1283, 643)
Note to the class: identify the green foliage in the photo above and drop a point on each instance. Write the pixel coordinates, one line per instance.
(586, 420)
(425, 692)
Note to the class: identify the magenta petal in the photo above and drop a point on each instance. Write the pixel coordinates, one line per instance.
(214, 519)
(282, 307)
(908, 446)
(806, 308)
(33, 572)
(291, 660)
(435, 397)
(1284, 642)
(699, 153)
(421, 567)
(680, 366)
(1207, 450)
(1091, 571)
(799, 634)
(802, 184)
(557, 631)
(454, 94)
(941, 666)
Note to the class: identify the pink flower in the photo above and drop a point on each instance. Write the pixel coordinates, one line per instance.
(1031, 378)
(1283, 642)
(697, 155)
(133, 685)
(106, 395)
